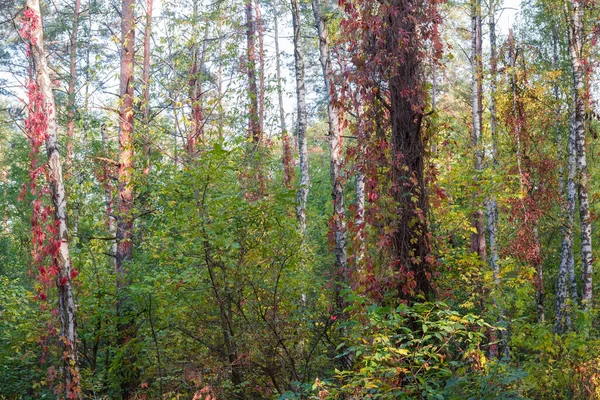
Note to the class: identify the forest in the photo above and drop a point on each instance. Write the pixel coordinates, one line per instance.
(299, 199)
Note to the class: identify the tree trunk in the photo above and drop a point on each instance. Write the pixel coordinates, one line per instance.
(492, 203)
(288, 169)
(261, 68)
(124, 254)
(492, 206)
(109, 201)
(408, 149)
(45, 106)
(302, 195)
(335, 146)
(525, 173)
(195, 91)
(146, 86)
(478, 244)
(567, 262)
(72, 84)
(254, 121)
(566, 285)
(359, 168)
(578, 62)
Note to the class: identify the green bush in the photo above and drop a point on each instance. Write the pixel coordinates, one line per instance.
(424, 351)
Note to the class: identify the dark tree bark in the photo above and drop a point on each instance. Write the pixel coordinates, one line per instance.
(408, 151)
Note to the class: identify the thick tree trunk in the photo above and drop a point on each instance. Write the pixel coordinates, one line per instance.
(478, 244)
(302, 195)
(124, 254)
(254, 121)
(408, 150)
(146, 86)
(578, 62)
(62, 259)
(72, 84)
(288, 168)
(335, 142)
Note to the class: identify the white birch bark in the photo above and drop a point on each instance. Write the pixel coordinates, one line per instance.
(335, 142)
(575, 13)
(478, 244)
(566, 273)
(302, 195)
(492, 204)
(66, 301)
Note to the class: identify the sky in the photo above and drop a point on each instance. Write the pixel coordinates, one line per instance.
(507, 16)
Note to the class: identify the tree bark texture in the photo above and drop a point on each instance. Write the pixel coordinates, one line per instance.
(196, 96)
(478, 244)
(408, 149)
(61, 257)
(146, 85)
(261, 68)
(567, 260)
(492, 204)
(254, 122)
(338, 222)
(286, 159)
(72, 85)
(302, 196)
(578, 62)
(125, 192)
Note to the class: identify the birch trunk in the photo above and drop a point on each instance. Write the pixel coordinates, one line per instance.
(478, 244)
(359, 219)
(576, 14)
(492, 203)
(335, 145)
(62, 259)
(566, 272)
(302, 195)
(492, 206)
